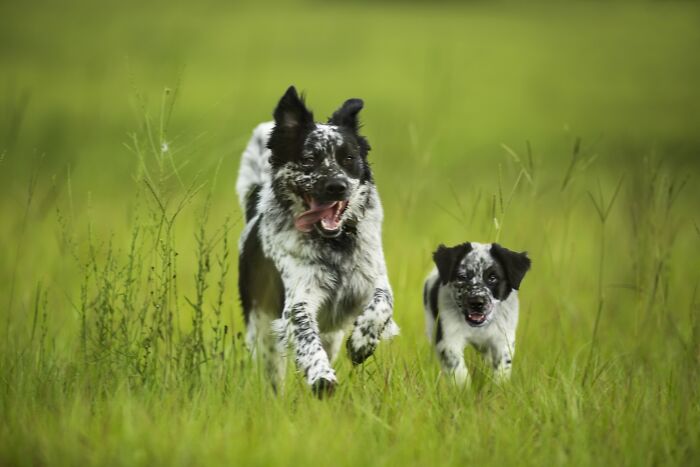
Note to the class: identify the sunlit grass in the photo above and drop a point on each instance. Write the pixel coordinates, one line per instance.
(121, 329)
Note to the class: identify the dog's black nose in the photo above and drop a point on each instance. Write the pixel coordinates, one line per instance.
(476, 303)
(336, 188)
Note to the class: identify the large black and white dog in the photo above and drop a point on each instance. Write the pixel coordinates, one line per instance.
(471, 297)
(311, 260)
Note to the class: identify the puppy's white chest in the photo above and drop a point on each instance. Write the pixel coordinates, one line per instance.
(493, 332)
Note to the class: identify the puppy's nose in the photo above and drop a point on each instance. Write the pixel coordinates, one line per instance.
(336, 188)
(477, 303)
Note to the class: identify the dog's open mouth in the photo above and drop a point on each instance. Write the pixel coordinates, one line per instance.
(475, 318)
(326, 217)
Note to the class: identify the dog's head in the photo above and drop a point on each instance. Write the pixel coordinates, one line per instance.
(320, 171)
(480, 276)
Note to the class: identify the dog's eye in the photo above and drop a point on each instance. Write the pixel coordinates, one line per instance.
(492, 279)
(465, 277)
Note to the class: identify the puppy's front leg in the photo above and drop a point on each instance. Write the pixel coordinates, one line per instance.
(373, 324)
(451, 356)
(299, 325)
(502, 360)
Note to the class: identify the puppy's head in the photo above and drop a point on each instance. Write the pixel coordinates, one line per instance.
(320, 171)
(480, 276)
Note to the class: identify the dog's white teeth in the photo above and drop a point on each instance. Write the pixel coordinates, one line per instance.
(329, 224)
(341, 209)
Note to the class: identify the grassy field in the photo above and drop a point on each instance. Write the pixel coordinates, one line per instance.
(569, 130)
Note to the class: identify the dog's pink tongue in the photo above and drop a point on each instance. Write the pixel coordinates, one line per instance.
(305, 221)
(478, 317)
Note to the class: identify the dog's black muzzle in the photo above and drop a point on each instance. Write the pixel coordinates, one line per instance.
(476, 309)
(477, 304)
(327, 203)
(336, 189)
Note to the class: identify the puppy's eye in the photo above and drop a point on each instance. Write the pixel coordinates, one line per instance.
(492, 279)
(464, 277)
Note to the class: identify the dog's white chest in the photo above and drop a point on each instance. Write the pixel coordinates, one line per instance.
(502, 328)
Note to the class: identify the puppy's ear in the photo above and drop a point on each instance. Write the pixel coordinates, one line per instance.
(291, 112)
(346, 115)
(293, 121)
(447, 258)
(514, 264)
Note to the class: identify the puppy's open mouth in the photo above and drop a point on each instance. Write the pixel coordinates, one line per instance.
(325, 217)
(476, 318)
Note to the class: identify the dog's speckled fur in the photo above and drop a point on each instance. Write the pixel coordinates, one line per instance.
(302, 290)
(466, 276)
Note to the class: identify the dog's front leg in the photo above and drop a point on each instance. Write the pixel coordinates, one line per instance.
(299, 328)
(373, 324)
(451, 356)
(502, 360)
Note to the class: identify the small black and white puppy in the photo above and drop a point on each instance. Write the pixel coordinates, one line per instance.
(310, 256)
(471, 297)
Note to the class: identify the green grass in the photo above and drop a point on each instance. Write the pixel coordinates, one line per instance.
(565, 129)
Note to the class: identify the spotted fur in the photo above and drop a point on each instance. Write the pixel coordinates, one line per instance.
(471, 297)
(302, 290)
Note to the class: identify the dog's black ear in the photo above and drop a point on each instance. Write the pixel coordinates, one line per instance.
(293, 121)
(291, 112)
(515, 264)
(447, 258)
(346, 115)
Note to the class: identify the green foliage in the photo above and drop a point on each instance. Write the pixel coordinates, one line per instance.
(121, 329)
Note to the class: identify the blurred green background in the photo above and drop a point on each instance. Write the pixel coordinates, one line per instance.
(488, 120)
(445, 85)
(464, 76)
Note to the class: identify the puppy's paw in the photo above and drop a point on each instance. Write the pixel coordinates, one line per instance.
(501, 376)
(360, 351)
(459, 378)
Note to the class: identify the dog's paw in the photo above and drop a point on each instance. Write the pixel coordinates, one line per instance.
(323, 383)
(391, 330)
(501, 376)
(459, 377)
(359, 353)
(323, 388)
